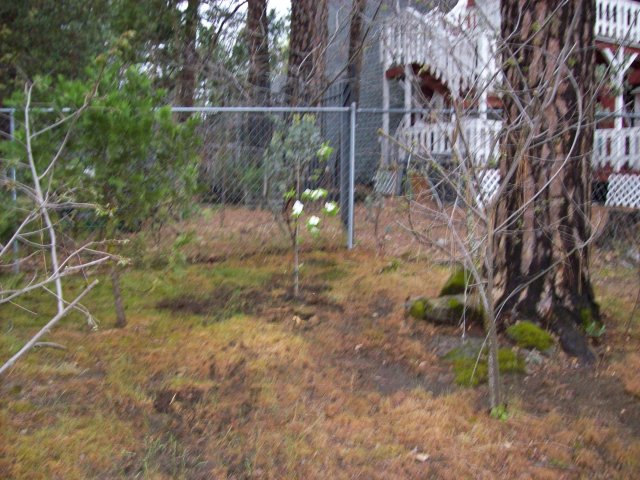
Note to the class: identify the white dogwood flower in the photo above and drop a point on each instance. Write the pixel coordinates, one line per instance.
(313, 221)
(297, 208)
(329, 207)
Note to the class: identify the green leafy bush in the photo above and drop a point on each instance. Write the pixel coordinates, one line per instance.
(126, 153)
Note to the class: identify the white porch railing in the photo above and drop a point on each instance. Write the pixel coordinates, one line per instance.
(457, 47)
(617, 148)
(618, 20)
(471, 137)
(450, 53)
(475, 138)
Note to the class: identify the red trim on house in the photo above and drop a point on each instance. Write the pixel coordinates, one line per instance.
(634, 77)
(614, 46)
(394, 73)
(427, 81)
(494, 102)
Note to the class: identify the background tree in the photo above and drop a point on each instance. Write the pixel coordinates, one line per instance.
(542, 233)
(143, 165)
(257, 34)
(356, 50)
(307, 47)
(257, 127)
(188, 73)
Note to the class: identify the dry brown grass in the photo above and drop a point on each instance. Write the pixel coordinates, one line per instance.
(352, 390)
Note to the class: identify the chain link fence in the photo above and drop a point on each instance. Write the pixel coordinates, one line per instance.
(398, 191)
(252, 158)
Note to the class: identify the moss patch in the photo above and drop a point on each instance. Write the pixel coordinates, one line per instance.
(529, 335)
(457, 283)
(471, 366)
(446, 310)
(418, 309)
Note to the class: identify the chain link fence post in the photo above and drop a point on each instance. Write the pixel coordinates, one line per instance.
(352, 172)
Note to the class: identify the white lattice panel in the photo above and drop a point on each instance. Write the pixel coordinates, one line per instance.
(385, 182)
(489, 182)
(624, 191)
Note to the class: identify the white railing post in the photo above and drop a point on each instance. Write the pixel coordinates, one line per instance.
(408, 78)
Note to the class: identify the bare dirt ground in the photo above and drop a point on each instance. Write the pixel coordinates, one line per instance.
(220, 373)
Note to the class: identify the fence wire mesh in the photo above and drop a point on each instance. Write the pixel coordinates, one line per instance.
(249, 161)
(407, 186)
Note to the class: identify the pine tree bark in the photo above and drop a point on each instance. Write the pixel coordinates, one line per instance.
(188, 75)
(258, 126)
(542, 231)
(258, 47)
(354, 67)
(307, 47)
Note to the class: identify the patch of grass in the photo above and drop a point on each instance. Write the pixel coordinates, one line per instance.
(392, 266)
(165, 455)
(529, 335)
(456, 306)
(628, 370)
(278, 401)
(244, 276)
(592, 327)
(225, 301)
(500, 412)
(126, 378)
(332, 274)
(71, 446)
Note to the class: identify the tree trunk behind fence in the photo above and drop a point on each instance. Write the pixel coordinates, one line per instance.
(356, 49)
(542, 226)
(307, 46)
(187, 77)
(258, 125)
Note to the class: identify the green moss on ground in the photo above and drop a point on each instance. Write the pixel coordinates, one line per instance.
(471, 367)
(446, 310)
(418, 309)
(458, 282)
(529, 335)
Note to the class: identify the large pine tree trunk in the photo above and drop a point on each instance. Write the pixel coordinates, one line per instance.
(356, 33)
(307, 48)
(541, 260)
(188, 76)
(258, 47)
(258, 126)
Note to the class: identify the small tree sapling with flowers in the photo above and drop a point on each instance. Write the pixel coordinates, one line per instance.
(313, 225)
(289, 157)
